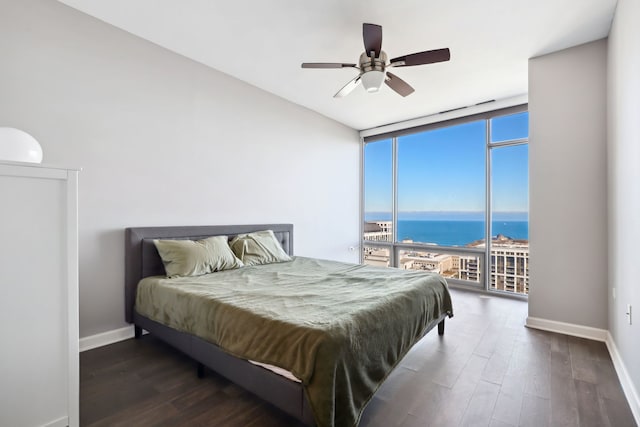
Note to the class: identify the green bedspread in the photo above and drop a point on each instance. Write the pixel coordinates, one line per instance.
(340, 328)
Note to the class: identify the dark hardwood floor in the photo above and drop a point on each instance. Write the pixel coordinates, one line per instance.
(487, 370)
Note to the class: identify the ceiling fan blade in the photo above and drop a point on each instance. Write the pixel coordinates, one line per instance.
(327, 65)
(399, 85)
(372, 36)
(346, 89)
(420, 58)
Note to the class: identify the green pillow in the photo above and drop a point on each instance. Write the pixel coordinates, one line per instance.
(195, 258)
(257, 248)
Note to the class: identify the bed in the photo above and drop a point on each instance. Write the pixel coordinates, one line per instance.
(335, 373)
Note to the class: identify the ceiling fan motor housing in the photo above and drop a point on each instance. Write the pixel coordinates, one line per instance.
(371, 63)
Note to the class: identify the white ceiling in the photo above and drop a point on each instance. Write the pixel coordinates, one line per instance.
(264, 42)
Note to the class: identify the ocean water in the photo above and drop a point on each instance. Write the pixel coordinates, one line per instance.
(454, 230)
(458, 233)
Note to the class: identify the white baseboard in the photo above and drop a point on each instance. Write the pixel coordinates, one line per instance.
(629, 389)
(567, 329)
(106, 338)
(62, 422)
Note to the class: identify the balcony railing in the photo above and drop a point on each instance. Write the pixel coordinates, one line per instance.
(460, 266)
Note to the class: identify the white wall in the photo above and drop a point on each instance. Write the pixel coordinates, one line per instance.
(568, 197)
(163, 140)
(623, 109)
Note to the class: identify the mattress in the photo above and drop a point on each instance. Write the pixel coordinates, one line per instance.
(339, 328)
(282, 372)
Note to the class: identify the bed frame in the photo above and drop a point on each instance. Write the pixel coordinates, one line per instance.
(142, 260)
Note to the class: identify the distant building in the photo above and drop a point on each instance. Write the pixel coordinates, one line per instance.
(377, 256)
(427, 261)
(378, 231)
(509, 264)
(509, 259)
(468, 268)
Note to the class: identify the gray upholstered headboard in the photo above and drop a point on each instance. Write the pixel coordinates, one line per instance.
(142, 259)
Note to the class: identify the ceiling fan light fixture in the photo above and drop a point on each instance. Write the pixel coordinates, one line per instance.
(372, 80)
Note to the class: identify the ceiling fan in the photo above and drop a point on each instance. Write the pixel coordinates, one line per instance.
(373, 64)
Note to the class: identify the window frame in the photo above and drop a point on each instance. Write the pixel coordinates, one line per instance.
(484, 254)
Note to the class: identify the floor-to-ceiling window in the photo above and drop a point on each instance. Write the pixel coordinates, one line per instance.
(378, 197)
(509, 186)
(434, 196)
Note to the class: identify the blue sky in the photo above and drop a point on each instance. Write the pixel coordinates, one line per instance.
(444, 169)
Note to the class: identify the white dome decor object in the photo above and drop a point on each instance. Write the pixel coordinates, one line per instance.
(19, 146)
